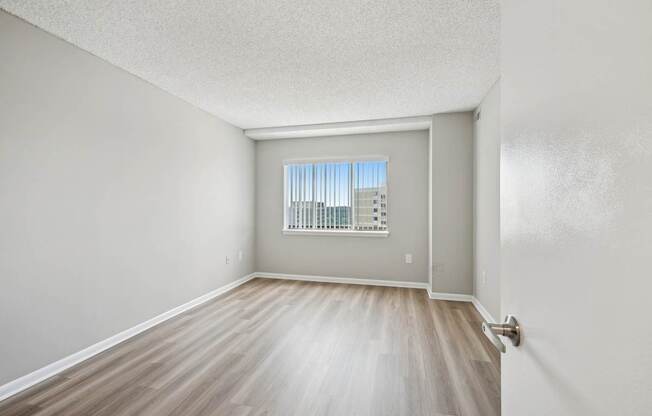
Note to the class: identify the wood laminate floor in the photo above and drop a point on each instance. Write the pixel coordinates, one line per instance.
(276, 347)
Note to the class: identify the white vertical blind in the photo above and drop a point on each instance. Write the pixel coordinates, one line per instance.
(339, 195)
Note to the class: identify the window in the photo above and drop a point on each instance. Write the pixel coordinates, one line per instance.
(336, 197)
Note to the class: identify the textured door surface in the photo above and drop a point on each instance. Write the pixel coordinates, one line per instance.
(576, 206)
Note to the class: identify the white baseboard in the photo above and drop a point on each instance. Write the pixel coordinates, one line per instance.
(464, 298)
(24, 382)
(482, 310)
(391, 283)
(458, 297)
(345, 280)
(370, 282)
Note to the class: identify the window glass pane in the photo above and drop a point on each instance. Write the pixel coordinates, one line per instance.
(333, 197)
(336, 196)
(370, 195)
(298, 190)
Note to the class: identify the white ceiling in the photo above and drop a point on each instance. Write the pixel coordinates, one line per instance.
(291, 62)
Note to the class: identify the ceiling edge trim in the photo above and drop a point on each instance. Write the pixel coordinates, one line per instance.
(340, 129)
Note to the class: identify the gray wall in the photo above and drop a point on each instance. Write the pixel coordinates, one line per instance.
(452, 202)
(487, 203)
(117, 201)
(360, 257)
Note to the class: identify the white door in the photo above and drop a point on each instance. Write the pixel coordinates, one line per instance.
(576, 206)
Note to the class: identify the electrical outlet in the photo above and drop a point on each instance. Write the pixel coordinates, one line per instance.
(408, 259)
(228, 260)
(240, 255)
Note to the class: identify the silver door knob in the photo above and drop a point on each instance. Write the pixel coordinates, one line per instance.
(509, 329)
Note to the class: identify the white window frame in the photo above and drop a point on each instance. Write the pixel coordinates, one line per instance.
(338, 233)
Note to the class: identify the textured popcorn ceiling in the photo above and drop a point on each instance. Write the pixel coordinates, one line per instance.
(291, 62)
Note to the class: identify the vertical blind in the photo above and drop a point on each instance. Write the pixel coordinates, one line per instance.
(346, 195)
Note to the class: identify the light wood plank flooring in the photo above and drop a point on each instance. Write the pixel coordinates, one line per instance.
(275, 347)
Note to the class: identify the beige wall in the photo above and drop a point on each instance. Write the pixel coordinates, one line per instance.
(359, 257)
(452, 203)
(487, 203)
(117, 201)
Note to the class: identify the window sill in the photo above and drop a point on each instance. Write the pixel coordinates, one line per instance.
(339, 233)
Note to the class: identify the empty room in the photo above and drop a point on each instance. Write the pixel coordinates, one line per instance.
(348, 208)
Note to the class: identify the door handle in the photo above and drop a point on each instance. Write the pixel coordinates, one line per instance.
(510, 329)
